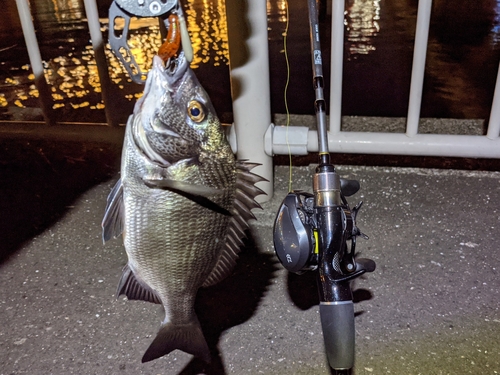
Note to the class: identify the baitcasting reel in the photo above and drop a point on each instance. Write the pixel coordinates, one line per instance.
(296, 234)
(312, 232)
(295, 240)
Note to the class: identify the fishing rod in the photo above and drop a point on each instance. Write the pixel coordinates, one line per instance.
(317, 232)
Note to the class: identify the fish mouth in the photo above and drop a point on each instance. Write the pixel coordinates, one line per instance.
(170, 73)
(164, 78)
(174, 68)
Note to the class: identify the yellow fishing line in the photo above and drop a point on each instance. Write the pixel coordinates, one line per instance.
(285, 94)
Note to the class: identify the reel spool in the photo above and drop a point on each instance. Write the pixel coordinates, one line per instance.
(294, 235)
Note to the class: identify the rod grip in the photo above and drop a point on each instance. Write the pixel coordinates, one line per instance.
(337, 320)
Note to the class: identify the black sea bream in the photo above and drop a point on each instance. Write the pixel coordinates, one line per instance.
(182, 203)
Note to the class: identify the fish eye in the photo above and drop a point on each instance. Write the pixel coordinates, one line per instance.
(196, 111)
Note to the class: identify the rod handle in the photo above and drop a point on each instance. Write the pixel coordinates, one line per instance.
(337, 321)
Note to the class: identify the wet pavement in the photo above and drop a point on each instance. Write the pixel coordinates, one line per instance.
(431, 307)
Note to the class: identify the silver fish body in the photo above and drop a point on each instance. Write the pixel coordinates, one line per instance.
(182, 204)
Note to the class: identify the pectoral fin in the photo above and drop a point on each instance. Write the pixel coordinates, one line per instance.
(197, 193)
(112, 223)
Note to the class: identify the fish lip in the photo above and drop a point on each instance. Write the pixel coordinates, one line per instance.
(169, 75)
(173, 70)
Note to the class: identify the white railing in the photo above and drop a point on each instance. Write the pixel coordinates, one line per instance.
(409, 143)
(35, 59)
(254, 137)
(301, 140)
(249, 65)
(98, 46)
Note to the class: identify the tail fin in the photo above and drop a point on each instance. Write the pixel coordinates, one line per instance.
(186, 337)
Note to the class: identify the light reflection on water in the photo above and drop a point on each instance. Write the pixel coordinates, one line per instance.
(362, 25)
(208, 30)
(461, 64)
(278, 9)
(495, 30)
(73, 75)
(58, 11)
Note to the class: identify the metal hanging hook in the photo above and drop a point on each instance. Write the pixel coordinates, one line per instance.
(125, 10)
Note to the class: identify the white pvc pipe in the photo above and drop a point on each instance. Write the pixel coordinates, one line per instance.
(494, 123)
(393, 144)
(249, 65)
(35, 57)
(418, 67)
(337, 61)
(100, 58)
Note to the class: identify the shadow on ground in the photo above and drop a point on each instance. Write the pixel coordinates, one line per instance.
(41, 178)
(303, 291)
(231, 303)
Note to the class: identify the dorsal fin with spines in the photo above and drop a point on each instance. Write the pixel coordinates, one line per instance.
(244, 202)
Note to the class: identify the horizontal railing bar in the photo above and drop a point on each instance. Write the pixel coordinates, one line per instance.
(35, 122)
(473, 146)
(73, 132)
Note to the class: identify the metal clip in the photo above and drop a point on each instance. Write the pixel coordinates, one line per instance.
(125, 10)
(147, 8)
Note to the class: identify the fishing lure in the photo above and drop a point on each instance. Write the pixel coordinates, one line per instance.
(173, 41)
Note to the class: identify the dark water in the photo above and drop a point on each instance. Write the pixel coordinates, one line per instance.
(461, 69)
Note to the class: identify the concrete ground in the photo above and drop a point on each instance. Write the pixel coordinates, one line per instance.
(431, 307)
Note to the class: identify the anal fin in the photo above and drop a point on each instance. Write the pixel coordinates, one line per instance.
(135, 289)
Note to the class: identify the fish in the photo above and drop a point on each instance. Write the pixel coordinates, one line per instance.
(183, 203)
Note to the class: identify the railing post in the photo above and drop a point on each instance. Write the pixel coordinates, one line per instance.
(101, 62)
(249, 66)
(337, 61)
(494, 123)
(418, 67)
(46, 102)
